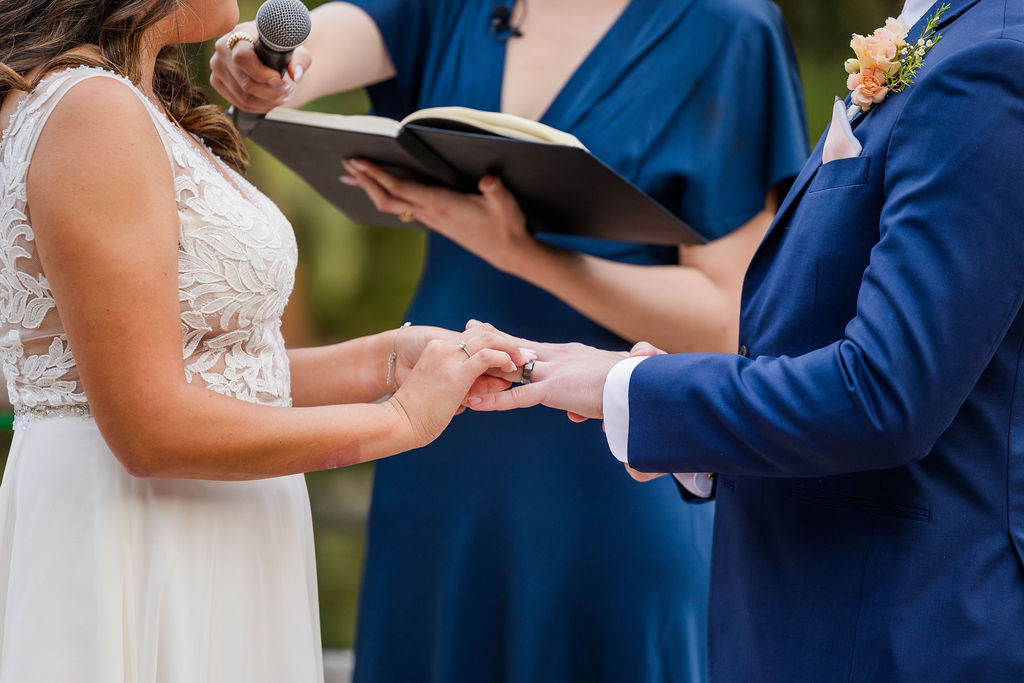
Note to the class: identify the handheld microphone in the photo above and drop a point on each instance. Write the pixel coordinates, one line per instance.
(501, 24)
(282, 25)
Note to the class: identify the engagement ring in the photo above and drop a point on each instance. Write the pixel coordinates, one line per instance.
(462, 345)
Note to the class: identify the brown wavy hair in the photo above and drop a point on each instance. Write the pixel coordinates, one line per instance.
(38, 34)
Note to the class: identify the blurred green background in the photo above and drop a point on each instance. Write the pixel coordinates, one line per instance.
(355, 280)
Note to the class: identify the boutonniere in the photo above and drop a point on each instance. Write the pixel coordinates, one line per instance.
(885, 62)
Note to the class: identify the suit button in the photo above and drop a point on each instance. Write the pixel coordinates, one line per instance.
(744, 351)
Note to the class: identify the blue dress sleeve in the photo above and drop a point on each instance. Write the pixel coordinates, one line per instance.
(754, 135)
(406, 26)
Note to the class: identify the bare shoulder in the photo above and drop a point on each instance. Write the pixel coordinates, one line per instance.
(99, 164)
(99, 143)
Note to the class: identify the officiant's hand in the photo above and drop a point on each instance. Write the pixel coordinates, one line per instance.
(246, 82)
(490, 224)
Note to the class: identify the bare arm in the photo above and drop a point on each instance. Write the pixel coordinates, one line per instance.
(353, 371)
(345, 45)
(361, 370)
(693, 306)
(106, 228)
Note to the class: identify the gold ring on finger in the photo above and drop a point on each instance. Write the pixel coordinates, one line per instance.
(237, 36)
(406, 216)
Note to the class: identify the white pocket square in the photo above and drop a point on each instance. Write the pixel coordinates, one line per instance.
(841, 143)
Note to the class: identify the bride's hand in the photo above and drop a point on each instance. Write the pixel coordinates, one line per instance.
(445, 372)
(410, 343)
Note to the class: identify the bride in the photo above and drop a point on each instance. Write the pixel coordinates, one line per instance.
(154, 524)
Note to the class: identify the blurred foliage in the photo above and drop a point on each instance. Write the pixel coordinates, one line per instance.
(355, 280)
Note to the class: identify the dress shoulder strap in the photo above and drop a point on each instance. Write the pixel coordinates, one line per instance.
(28, 121)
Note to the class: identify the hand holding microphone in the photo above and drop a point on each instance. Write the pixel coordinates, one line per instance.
(249, 64)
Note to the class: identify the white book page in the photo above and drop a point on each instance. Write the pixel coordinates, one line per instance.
(373, 125)
(505, 125)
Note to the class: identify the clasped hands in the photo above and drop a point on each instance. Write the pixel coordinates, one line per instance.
(569, 377)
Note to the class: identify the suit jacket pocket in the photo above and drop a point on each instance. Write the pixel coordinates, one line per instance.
(856, 504)
(841, 173)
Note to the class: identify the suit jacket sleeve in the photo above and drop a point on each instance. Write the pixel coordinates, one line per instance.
(944, 283)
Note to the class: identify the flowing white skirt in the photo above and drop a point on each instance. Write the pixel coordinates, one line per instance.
(107, 578)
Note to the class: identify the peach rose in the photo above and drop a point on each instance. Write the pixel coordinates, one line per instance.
(898, 29)
(879, 50)
(867, 87)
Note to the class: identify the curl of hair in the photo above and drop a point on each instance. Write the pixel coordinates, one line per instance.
(38, 36)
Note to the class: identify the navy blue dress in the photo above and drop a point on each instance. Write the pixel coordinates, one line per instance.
(515, 548)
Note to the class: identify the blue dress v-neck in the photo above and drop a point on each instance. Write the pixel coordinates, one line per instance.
(515, 548)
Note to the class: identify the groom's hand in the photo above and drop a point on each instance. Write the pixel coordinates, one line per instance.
(567, 377)
(642, 476)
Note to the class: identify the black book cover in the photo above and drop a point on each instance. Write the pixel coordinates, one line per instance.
(562, 189)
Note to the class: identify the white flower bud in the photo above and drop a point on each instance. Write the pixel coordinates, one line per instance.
(852, 66)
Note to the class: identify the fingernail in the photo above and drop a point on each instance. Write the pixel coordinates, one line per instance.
(358, 165)
(348, 180)
(298, 73)
(488, 183)
(529, 353)
(475, 401)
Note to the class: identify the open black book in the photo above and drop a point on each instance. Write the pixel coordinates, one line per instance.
(561, 186)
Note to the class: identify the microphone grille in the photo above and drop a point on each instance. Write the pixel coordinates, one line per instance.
(283, 24)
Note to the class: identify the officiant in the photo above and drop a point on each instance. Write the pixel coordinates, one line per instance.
(514, 549)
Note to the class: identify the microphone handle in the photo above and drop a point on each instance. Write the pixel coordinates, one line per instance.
(244, 121)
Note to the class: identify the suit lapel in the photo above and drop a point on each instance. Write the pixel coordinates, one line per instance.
(810, 169)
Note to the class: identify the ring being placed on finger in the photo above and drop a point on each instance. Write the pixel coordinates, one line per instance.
(237, 36)
(406, 216)
(528, 372)
(462, 345)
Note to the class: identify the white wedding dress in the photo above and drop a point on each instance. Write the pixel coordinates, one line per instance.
(107, 578)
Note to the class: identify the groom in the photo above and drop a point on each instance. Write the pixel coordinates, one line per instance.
(868, 439)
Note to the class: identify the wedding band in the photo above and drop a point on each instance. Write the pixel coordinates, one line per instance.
(462, 345)
(237, 36)
(406, 216)
(528, 372)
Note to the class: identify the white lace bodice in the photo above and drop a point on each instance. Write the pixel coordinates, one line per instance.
(236, 268)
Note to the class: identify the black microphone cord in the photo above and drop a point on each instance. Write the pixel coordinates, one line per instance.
(502, 27)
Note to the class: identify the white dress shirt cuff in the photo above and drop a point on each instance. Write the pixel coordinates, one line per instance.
(616, 406)
(616, 424)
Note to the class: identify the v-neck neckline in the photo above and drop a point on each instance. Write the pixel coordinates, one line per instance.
(578, 73)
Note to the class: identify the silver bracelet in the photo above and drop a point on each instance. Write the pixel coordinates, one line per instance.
(390, 376)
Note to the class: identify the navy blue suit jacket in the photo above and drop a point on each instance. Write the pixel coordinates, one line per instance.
(870, 504)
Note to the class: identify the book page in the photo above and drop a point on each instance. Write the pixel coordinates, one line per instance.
(496, 123)
(372, 125)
